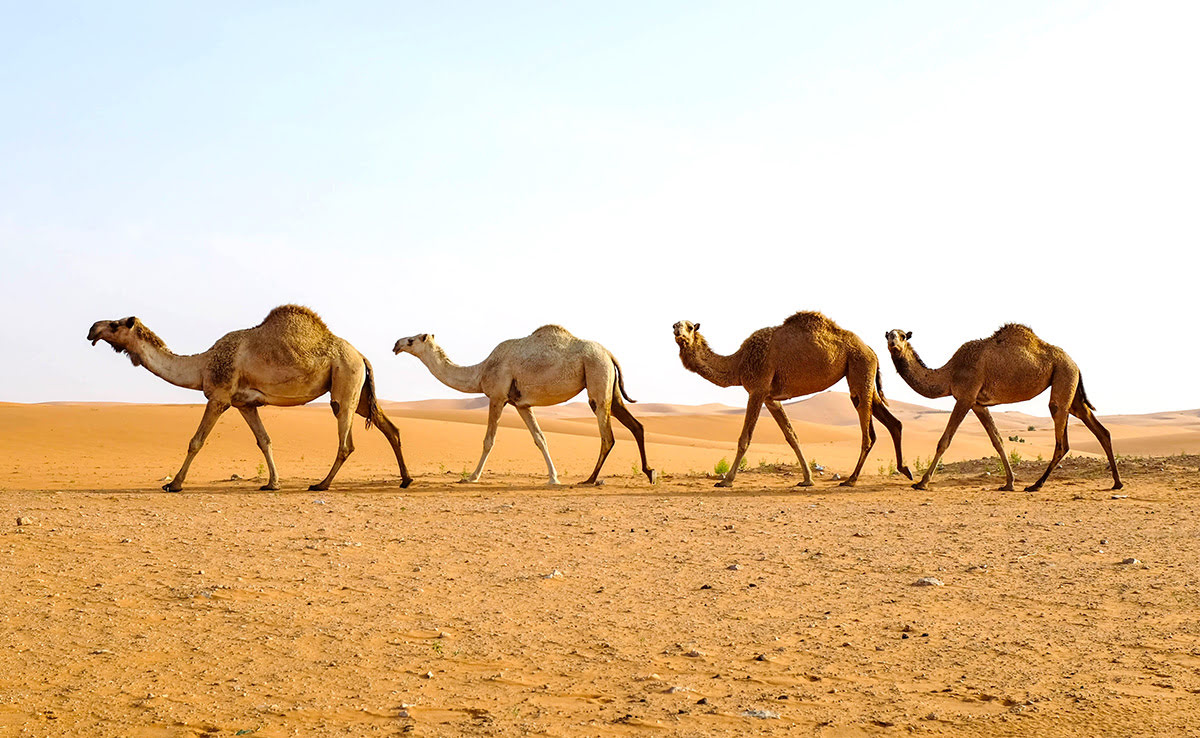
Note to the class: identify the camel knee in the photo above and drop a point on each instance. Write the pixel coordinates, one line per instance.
(195, 445)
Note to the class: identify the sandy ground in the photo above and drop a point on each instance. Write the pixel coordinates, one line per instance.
(509, 608)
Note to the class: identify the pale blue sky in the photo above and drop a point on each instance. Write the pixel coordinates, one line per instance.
(478, 169)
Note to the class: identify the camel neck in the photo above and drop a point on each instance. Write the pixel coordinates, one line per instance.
(461, 378)
(925, 381)
(181, 371)
(722, 371)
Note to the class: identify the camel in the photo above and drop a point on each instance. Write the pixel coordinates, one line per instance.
(1011, 365)
(807, 354)
(291, 358)
(547, 367)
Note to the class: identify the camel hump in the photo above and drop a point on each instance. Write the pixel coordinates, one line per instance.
(809, 320)
(551, 329)
(1015, 332)
(294, 316)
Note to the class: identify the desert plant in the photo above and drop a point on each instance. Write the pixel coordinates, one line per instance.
(1014, 458)
(744, 464)
(722, 467)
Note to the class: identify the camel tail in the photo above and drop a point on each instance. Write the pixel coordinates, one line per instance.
(1080, 394)
(368, 393)
(620, 379)
(879, 386)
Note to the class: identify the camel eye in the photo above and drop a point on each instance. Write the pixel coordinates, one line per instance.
(410, 342)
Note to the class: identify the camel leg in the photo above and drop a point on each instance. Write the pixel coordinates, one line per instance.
(789, 433)
(1061, 396)
(892, 423)
(264, 444)
(622, 414)
(539, 439)
(863, 403)
(345, 393)
(603, 408)
(212, 412)
(753, 407)
(956, 418)
(1080, 410)
(495, 408)
(989, 425)
(391, 433)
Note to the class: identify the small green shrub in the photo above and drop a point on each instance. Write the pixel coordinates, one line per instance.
(722, 467)
(1014, 458)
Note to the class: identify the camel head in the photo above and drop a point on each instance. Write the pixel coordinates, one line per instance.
(121, 335)
(897, 341)
(686, 333)
(416, 345)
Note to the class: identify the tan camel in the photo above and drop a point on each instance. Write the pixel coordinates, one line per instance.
(546, 367)
(289, 359)
(807, 354)
(1012, 365)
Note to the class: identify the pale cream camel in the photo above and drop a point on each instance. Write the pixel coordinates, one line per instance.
(807, 354)
(547, 367)
(1012, 365)
(289, 359)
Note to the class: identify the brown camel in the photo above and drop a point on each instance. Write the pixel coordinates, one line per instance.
(1012, 365)
(289, 359)
(807, 354)
(546, 367)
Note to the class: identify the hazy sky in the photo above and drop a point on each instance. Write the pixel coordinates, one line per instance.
(476, 170)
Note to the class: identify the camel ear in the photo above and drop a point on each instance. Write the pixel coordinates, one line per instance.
(908, 336)
(130, 321)
(424, 336)
(696, 327)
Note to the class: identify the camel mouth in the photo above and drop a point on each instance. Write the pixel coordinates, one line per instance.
(95, 341)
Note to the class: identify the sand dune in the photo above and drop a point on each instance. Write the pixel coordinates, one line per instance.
(506, 608)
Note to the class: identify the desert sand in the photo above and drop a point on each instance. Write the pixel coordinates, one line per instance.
(510, 608)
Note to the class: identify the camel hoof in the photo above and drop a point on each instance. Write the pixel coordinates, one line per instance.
(405, 482)
(317, 488)
(805, 483)
(723, 483)
(268, 488)
(169, 488)
(904, 470)
(653, 476)
(848, 483)
(1033, 488)
(1006, 488)
(1118, 485)
(590, 483)
(921, 486)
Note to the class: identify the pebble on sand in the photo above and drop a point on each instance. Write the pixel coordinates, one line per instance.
(24, 520)
(929, 582)
(761, 714)
(1130, 560)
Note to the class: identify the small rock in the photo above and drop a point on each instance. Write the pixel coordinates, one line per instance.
(402, 713)
(705, 586)
(676, 690)
(319, 502)
(23, 520)
(734, 567)
(427, 675)
(694, 654)
(556, 574)
(702, 701)
(835, 477)
(761, 714)
(761, 657)
(1120, 497)
(101, 652)
(234, 477)
(818, 468)
(931, 716)
(1103, 541)
(1130, 560)
(929, 582)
